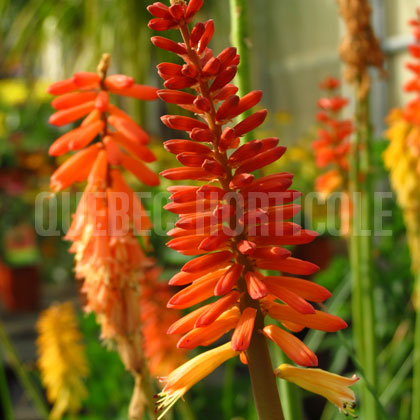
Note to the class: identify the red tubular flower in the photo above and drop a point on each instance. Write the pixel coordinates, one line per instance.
(235, 221)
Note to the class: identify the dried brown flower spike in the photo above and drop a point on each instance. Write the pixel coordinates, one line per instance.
(359, 47)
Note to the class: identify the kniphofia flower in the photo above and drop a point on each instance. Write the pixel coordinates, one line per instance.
(109, 257)
(332, 148)
(334, 388)
(62, 360)
(237, 223)
(402, 156)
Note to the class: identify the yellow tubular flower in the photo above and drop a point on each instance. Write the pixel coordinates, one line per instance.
(334, 388)
(403, 164)
(61, 359)
(180, 380)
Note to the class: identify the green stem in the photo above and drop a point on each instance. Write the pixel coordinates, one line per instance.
(240, 39)
(22, 374)
(263, 379)
(361, 256)
(291, 397)
(415, 409)
(5, 399)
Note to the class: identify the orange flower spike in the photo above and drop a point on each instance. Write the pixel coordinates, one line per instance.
(236, 223)
(291, 345)
(333, 387)
(332, 146)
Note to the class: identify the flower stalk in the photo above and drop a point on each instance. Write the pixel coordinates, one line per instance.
(360, 50)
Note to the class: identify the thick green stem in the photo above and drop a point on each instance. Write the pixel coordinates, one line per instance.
(263, 379)
(361, 256)
(22, 374)
(240, 40)
(415, 408)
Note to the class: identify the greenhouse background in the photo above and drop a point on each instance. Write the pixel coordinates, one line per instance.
(293, 46)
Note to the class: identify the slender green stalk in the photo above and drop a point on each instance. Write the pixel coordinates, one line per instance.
(415, 408)
(240, 39)
(290, 394)
(363, 219)
(228, 388)
(5, 399)
(22, 374)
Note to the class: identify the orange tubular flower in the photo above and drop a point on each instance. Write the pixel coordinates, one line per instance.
(332, 148)
(234, 220)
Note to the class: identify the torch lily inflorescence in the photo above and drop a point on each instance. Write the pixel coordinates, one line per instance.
(332, 147)
(234, 220)
(62, 361)
(109, 257)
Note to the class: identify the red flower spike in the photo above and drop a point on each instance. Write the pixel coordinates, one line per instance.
(235, 215)
(332, 145)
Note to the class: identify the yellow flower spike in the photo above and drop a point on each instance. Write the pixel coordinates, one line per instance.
(334, 388)
(61, 359)
(402, 160)
(180, 380)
